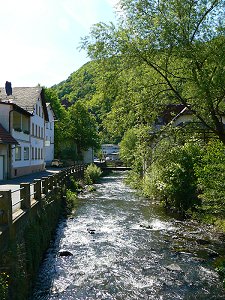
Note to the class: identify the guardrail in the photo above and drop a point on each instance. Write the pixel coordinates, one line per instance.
(29, 194)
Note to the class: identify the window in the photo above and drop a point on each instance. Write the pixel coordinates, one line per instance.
(26, 153)
(26, 124)
(39, 152)
(41, 132)
(36, 130)
(39, 111)
(36, 109)
(33, 153)
(17, 121)
(18, 153)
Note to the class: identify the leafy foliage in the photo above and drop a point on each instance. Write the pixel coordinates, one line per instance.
(211, 177)
(92, 174)
(75, 129)
(4, 285)
(180, 43)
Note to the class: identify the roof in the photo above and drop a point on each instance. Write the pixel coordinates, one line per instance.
(50, 107)
(17, 108)
(26, 98)
(5, 137)
(173, 111)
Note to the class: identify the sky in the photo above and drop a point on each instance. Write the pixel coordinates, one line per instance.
(40, 38)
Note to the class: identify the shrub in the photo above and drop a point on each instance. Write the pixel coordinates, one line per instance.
(74, 185)
(171, 176)
(70, 201)
(92, 174)
(211, 177)
(4, 285)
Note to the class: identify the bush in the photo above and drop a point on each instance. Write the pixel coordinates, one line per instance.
(4, 285)
(171, 176)
(211, 177)
(71, 201)
(74, 185)
(92, 174)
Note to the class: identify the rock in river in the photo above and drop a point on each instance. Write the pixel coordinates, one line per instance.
(65, 253)
(174, 267)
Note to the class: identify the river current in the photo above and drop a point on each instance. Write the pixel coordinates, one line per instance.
(122, 246)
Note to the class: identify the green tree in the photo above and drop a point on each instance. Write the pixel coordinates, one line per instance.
(82, 127)
(61, 136)
(211, 177)
(181, 42)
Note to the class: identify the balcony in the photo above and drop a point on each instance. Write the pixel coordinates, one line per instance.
(20, 134)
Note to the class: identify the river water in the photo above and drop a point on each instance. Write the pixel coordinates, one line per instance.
(124, 247)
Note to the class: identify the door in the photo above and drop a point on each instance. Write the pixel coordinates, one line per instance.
(1, 167)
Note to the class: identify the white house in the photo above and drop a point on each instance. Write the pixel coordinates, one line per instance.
(110, 151)
(14, 137)
(49, 135)
(6, 142)
(24, 110)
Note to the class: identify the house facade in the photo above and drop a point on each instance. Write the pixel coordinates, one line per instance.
(23, 115)
(49, 135)
(14, 137)
(110, 151)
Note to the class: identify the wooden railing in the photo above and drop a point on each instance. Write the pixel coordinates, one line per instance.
(27, 195)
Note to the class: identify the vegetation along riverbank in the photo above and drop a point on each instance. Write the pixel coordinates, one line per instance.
(161, 96)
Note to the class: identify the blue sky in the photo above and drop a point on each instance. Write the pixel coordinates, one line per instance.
(39, 38)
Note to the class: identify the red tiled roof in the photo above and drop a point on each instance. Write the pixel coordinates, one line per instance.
(5, 137)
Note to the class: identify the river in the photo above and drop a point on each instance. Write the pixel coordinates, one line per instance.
(124, 247)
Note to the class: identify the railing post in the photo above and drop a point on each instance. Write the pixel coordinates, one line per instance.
(54, 179)
(6, 207)
(51, 183)
(25, 195)
(45, 181)
(37, 189)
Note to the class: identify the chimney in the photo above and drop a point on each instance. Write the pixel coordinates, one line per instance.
(8, 88)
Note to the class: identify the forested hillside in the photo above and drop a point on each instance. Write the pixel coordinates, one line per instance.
(80, 85)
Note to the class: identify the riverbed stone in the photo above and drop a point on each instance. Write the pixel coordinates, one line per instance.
(146, 226)
(91, 231)
(174, 267)
(65, 253)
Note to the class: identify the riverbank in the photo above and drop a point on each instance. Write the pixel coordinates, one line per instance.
(25, 234)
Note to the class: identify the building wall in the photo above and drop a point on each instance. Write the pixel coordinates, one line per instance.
(31, 146)
(4, 115)
(88, 156)
(182, 119)
(49, 137)
(109, 148)
(4, 166)
(37, 125)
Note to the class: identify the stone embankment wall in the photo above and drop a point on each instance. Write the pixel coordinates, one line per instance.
(25, 234)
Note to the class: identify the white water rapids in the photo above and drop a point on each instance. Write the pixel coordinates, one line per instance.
(125, 248)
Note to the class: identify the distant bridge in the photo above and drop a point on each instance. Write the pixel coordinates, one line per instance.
(115, 168)
(111, 166)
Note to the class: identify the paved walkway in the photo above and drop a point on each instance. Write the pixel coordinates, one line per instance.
(14, 184)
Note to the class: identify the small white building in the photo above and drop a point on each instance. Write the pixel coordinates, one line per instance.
(110, 151)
